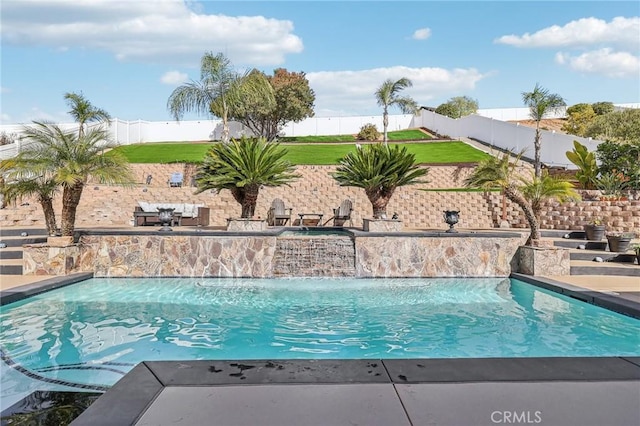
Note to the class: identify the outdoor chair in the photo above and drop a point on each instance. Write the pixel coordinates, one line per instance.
(175, 181)
(278, 215)
(342, 214)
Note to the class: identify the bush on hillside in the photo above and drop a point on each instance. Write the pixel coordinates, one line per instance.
(368, 132)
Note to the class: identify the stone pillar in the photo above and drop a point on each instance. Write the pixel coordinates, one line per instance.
(381, 225)
(244, 225)
(544, 260)
(46, 259)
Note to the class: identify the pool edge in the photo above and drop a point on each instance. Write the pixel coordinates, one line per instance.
(16, 294)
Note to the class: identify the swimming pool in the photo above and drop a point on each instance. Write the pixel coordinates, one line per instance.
(86, 336)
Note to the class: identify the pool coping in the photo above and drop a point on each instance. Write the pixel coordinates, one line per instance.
(134, 394)
(611, 302)
(16, 294)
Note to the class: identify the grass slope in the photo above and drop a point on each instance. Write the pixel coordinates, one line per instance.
(310, 154)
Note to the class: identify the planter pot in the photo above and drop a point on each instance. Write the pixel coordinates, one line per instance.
(619, 244)
(594, 232)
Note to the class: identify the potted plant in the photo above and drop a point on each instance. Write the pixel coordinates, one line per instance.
(619, 242)
(595, 229)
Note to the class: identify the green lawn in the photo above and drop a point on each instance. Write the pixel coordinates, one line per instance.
(432, 152)
(398, 135)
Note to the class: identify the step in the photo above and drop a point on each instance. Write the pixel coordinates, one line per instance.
(583, 267)
(20, 241)
(17, 231)
(6, 253)
(607, 256)
(574, 244)
(11, 267)
(560, 233)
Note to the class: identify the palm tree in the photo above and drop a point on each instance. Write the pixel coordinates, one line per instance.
(243, 166)
(379, 170)
(388, 95)
(21, 182)
(539, 189)
(70, 160)
(500, 173)
(84, 112)
(219, 89)
(540, 103)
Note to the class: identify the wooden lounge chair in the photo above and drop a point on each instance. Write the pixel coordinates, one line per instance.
(278, 215)
(342, 214)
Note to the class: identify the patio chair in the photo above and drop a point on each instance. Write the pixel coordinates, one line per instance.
(175, 181)
(342, 214)
(278, 215)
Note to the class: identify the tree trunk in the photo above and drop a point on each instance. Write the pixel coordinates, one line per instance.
(385, 124)
(225, 125)
(536, 146)
(250, 200)
(70, 200)
(512, 194)
(49, 215)
(379, 200)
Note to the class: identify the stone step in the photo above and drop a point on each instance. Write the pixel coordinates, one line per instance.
(20, 241)
(607, 256)
(10, 254)
(574, 244)
(11, 267)
(16, 232)
(581, 267)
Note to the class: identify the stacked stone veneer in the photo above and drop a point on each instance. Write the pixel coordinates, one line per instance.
(317, 192)
(435, 257)
(166, 254)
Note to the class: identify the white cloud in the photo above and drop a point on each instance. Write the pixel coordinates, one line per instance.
(421, 34)
(352, 92)
(619, 32)
(174, 78)
(161, 31)
(603, 61)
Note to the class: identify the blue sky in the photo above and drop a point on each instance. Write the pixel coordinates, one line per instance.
(128, 56)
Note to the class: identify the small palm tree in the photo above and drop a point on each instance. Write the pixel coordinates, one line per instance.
(388, 95)
(243, 166)
(541, 103)
(84, 112)
(379, 170)
(501, 173)
(70, 160)
(20, 182)
(537, 190)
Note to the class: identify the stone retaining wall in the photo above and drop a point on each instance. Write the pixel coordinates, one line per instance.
(220, 255)
(317, 192)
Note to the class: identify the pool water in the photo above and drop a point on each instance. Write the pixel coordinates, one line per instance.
(86, 336)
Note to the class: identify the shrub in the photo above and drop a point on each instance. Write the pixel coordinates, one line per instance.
(368, 132)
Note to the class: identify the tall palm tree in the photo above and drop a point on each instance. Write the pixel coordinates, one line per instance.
(218, 90)
(84, 112)
(70, 160)
(541, 103)
(388, 95)
(379, 170)
(243, 166)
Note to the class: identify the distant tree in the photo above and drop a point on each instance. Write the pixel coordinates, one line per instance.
(243, 166)
(541, 103)
(217, 91)
(388, 95)
(458, 106)
(84, 112)
(618, 126)
(621, 160)
(289, 99)
(379, 170)
(579, 117)
(602, 108)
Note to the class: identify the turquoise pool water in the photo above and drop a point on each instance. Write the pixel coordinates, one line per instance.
(88, 335)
